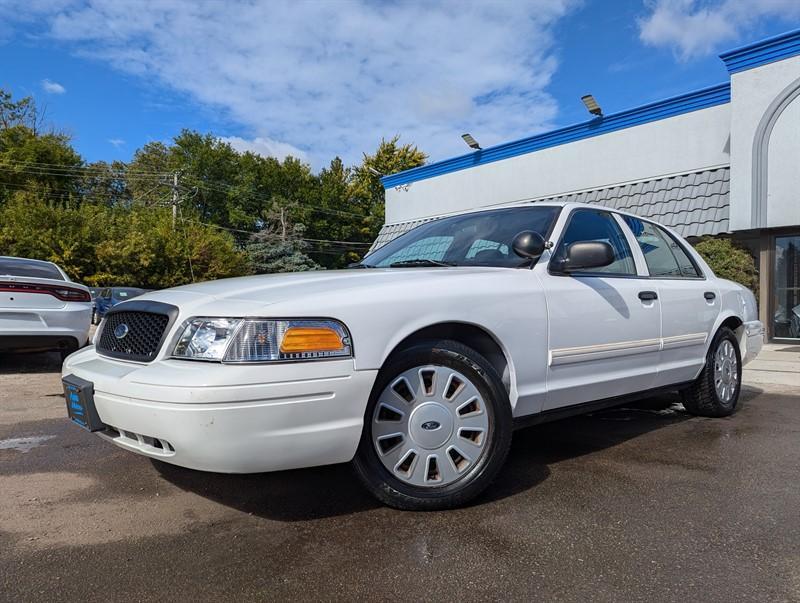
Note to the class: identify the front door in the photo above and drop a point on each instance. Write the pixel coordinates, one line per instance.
(604, 325)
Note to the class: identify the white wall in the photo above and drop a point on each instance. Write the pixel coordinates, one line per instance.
(684, 143)
(783, 169)
(774, 168)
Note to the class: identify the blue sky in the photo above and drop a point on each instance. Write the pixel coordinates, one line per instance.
(317, 79)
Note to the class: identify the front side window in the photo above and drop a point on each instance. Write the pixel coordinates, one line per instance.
(664, 256)
(588, 225)
(476, 239)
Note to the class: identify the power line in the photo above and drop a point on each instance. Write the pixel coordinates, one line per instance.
(85, 168)
(222, 188)
(250, 232)
(71, 171)
(228, 188)
(70, 174)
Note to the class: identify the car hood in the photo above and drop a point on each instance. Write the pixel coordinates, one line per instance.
(245, 295)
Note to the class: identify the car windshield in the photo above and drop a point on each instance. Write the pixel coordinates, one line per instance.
(476, 239)
(32, 268)
(123, 294)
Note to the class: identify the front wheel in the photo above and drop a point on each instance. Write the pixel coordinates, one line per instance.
(716, 391)
(437, 428)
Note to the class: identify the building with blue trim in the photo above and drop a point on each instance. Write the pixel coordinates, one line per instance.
(722, 161)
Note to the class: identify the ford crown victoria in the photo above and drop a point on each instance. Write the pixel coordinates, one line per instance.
(417, 363)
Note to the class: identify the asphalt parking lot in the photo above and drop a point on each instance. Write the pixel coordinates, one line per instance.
(632, 504)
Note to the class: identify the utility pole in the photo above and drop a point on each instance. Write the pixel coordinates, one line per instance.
(283, 224)
(174, 199)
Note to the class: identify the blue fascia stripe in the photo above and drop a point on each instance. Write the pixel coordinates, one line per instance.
(677, 105)
(760, 53)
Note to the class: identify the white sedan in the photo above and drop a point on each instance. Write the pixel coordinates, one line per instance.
(40, 308)
(418, 363)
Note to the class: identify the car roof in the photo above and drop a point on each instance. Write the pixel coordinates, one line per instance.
(11, 257)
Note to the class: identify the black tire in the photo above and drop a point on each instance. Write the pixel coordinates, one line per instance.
(396, 493)
(701, 398)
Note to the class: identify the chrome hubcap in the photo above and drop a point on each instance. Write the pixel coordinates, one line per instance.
(726, 373)
(430, 426)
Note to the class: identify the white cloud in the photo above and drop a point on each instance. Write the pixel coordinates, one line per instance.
(263, 146)
(117, 142)
(329, 78)
(693, 28)
(53, 87)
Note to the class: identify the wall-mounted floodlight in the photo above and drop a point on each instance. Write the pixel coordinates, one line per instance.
(473, 144)
(591, 105)
(374, 172)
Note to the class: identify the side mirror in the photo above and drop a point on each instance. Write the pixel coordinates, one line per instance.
(585, 255)
(528, 244)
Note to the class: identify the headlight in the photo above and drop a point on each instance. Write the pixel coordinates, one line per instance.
(254, 340)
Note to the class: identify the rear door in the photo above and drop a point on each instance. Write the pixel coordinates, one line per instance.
(605, 324)
(689, 304)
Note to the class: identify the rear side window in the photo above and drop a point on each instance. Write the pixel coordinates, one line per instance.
(664, 255)
(32, 268)
(589, 225)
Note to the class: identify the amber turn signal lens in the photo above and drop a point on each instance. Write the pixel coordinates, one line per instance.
(310, 339)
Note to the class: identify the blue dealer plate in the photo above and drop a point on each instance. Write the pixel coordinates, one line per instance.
(79, 395)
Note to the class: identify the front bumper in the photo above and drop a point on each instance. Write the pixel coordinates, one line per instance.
(229, 418)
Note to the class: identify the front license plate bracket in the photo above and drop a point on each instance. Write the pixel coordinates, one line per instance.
(79, 395)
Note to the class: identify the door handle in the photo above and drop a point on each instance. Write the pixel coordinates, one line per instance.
(709, 295)
(648, 295)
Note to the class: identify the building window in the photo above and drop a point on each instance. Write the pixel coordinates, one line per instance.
(786, 316)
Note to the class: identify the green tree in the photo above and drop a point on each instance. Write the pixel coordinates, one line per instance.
(101, 245)
(390, 158)
(30, 160)
(18, 113)
(147, 175)
(279, 249)
(124, 234)
(27, 162)
(729, 261)
(106, 183)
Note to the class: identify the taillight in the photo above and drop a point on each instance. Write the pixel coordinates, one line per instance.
(57, 291)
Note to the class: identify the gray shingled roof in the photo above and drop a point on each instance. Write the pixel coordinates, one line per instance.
(392, 231)
(694, 204)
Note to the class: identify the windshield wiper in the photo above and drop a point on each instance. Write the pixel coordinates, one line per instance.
(419, 262)
(359, 265)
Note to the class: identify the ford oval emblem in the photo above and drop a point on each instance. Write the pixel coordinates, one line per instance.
(431, 425)
(121, 331)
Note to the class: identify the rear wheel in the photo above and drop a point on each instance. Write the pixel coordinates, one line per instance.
(715, 393)
(437, 428)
